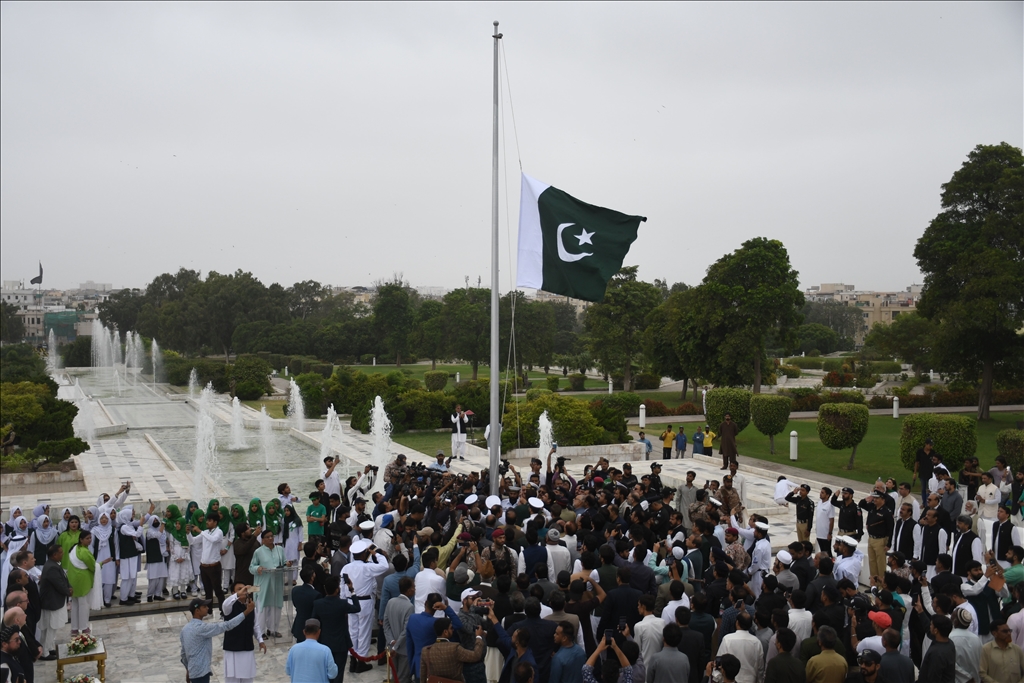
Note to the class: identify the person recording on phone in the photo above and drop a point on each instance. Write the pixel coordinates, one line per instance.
(616, 665)
(239, 649)
(727, 666)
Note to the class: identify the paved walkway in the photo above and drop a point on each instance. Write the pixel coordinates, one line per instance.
(813, 414)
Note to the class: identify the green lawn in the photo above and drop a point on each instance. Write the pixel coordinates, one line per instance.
(275, 408)
(537, 376)
(877, 455)
(426, 442)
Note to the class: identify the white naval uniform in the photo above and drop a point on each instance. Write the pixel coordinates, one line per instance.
(364, 581)
(760, 560)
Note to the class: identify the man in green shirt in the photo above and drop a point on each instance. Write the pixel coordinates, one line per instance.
(1002, 661)
(1014, 574)
(316, 516)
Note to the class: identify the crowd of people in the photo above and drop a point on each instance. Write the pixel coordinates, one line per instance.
(610, 577)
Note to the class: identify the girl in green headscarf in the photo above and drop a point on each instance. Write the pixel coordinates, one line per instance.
(275, 520)
(224, 522)
(190, 510)
(172, 513)
(82, 577)
(237, 515)
(255, 516)
(179, 564)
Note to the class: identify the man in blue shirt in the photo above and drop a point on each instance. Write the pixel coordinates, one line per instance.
(309, 661)
(197, 638)
(681, 443)
(646, 443)
(567, 663)
(402, 568)
(419, 632)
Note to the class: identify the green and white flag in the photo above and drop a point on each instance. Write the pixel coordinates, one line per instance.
(567, 246)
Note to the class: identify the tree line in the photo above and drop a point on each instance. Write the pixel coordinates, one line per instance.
(726, 330)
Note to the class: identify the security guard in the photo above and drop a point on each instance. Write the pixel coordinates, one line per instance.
(850, 520)
(655, 481)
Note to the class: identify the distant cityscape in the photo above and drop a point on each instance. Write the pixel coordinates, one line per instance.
(70, 312)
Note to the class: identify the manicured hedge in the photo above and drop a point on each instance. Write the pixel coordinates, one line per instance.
(842, 426)
(805, 363)
(646, 381)
(534, 394)
(733, 401)
(954, 436)
(770, 414)
(435, 380)
(790, 371)
(552, 383)
(1010, 444)
(577, 381)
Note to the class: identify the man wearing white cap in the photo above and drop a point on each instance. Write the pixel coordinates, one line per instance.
(368, 564)
(848, 560)
(536, 509)
(783, 561)
(760, 558)
(559, 558)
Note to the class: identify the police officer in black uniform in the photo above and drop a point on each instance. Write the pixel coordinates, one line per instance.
(850, 519)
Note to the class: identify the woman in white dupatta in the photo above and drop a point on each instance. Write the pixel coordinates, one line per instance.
(18, 540)
(105, 553)
(44, 536)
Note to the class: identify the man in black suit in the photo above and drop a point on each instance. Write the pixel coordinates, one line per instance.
(692, 644)
(641, 576)
(542, 636)
(621, 603)
(54, 591)
(819, 583)
(303, 598)
(333, 613)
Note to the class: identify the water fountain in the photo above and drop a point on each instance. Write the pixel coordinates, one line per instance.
(266, 433)
(296, 409)
(237, 425)
(102, 353)
(204, 464)
(129, 355)
(333, 423)
(157, 361)
(193, 382)
(52, 357)
(117, 378)
(115, 345)
(546, 431)
(84, 423)
(380, 429)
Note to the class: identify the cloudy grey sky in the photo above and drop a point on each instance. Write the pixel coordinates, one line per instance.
(346, 142)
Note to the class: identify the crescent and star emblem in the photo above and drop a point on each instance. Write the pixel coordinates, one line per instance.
(584, 238)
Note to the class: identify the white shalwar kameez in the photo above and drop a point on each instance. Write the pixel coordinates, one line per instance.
(101, 544)
(179, 567)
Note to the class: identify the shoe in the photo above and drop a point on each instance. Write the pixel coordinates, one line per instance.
(106, 605)
(277, 635)
(87, 631)
(126, 603)
(382, 662)
(48, 658)
(149, 599)
(159, 598)
(74, 632)
(138, 594)
(164, 592)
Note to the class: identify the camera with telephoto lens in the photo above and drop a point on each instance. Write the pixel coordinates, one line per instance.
(560, 462)
(860, 604)
(482, 608)
(503, 467)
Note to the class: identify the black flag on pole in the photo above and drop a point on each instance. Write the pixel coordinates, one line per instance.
(38, 280)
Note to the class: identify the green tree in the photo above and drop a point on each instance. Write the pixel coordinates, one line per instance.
(746, 298)
(972, 257)
(121, 309)
(909, 337)
(817, 336)
(428, 334)
(770, 414)
(250, 376)
(21, 363)
(616, 324)
(837, 316)
(572, 423)
(534, 330)
(78, 354)
(467, 325)
(662, 347)
(393, 316)
(12, 326)
(305, 298)
(842, 426)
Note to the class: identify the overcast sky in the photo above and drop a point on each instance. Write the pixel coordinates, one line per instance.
(347, 142)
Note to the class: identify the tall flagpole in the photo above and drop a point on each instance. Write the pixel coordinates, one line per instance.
(495, 441)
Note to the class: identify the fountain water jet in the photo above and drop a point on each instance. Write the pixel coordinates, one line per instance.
(157, 360)
(52, 358)
(237, 425)
(266, 429)
(546, 431)
(204, 465)
(117, 378)
(380, 429)
(193, 382)
(296, 409)
(84, 423)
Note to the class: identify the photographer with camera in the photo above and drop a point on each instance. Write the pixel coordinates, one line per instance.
(359, 487)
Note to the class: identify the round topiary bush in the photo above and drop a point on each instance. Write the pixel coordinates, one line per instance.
(552, 383)
(534, 394)
(435, 380)
(1010, 444)
(736, 402)
(953, 436)
(770, 415)
(577, 382)
(842, 426)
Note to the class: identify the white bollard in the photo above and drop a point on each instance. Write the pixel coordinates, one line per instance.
(609, 386)
(458, 377)
(895, 407)
(643, 416)
(793, 439)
